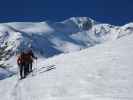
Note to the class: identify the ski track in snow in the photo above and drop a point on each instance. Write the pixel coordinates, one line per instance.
(17, 91)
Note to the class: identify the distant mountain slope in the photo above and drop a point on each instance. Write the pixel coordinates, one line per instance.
(51, 38)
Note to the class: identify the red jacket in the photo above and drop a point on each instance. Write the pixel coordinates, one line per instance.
(26, 58)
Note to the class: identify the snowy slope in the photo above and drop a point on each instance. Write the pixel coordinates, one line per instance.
(103, 72)
(70, 35)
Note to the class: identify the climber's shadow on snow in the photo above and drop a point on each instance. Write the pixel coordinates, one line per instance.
(46, 69)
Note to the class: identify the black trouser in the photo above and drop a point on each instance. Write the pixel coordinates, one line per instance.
(22, 70)
(26, 69)
(30, 67)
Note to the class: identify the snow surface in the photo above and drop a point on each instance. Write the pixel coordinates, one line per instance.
(94, 63)
(103, 72)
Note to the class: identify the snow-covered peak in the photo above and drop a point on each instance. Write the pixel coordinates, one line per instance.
(128, 26)
(79, 20)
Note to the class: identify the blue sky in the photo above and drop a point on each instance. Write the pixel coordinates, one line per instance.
(116, 12)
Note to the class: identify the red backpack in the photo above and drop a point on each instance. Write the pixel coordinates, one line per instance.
(21, 58)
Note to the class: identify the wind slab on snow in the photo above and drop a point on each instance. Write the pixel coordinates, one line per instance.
(103, 72)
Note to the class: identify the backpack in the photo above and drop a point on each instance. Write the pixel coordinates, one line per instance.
(21, 58)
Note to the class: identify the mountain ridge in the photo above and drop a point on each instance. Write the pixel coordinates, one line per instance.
(51, 38)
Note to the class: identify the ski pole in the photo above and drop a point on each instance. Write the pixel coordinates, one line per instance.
(36, 65)
(18, 73)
